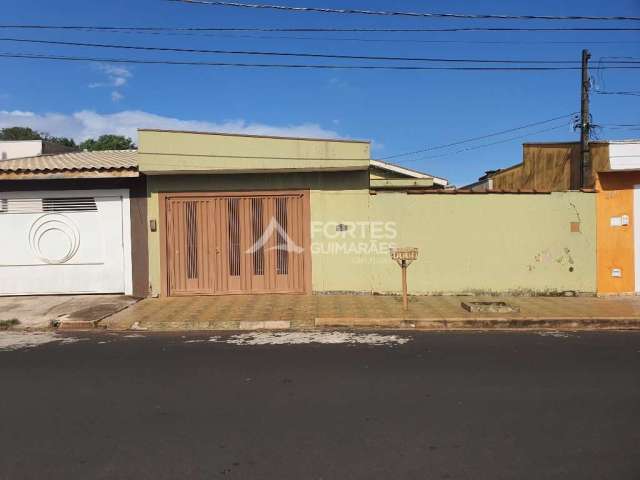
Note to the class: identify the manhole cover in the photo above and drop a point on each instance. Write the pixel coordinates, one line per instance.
(489, 307)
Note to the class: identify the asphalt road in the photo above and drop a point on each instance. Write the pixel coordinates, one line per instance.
(442, 406)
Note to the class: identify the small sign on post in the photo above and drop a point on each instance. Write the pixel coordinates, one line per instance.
(404, 257)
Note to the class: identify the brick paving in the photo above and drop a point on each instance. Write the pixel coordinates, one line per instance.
(226, 312)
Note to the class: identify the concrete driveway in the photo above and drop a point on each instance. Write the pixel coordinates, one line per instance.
(37, 312)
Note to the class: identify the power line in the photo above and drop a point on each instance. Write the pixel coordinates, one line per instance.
(352, 11)
(298, 54)
(476, 147)
(620, 128)
(600, 86)
(414, 40)
(219, 32)
(623, 126)
(37, 56)
(601, 89)
(620, 58)
(419, 41)
(374, 40)
(316, 29)
(604, 92)
(502, 132)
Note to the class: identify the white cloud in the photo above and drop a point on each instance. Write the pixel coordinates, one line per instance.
(117, 76)
(89, 124)
(116, 96)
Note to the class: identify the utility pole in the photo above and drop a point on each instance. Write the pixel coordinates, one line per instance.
(585, 123)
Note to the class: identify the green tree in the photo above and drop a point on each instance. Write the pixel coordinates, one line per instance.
(64, 141)
(26, 133)
(19, 133)
(108, 142)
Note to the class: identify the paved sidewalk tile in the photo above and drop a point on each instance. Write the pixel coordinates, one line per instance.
(301, 311)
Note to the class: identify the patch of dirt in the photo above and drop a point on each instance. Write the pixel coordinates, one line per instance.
(12, 306)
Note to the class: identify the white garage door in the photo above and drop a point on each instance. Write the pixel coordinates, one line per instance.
(63, 242)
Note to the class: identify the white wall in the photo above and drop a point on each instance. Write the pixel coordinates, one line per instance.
(624, 155)
(19, 149)
(68, 251)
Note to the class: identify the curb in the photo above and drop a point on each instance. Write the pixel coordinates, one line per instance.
(428, 324)
(79, 325)
(98, 322)
(62, 323)
(265, 325)
(483, 323)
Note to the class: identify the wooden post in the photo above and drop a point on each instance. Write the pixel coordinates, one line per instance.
(405, 298)
(404, 257)
(585, 124)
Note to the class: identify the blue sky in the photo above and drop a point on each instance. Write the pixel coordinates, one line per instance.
(398, 110)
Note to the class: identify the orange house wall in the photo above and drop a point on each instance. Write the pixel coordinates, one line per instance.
(615, 244)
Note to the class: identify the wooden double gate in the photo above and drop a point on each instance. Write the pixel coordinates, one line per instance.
(236, 243)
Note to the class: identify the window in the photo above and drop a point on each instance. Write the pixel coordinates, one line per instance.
(191, 220)
(234, 237)
(70, 204)
(257, 224)
(282, 246)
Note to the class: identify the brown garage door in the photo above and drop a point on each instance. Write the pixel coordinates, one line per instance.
(236, 243)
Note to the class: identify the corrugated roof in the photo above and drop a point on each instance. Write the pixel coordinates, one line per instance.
(73, 161)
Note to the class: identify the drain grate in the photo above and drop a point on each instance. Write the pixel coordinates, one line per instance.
(489, 307)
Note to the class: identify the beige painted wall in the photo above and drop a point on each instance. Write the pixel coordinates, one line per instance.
(468, 243)
(380, 174)
(331, 183)
(176, 152)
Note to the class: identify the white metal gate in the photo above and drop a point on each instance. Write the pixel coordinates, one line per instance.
(63, 242)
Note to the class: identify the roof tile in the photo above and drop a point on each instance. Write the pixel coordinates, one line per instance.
(74, 161)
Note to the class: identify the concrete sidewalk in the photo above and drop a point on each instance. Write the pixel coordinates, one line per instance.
(67, 311)
(251, 312)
